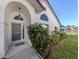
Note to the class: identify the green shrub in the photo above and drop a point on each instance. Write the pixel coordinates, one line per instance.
(38, 36)
(62, 35)
(54, 37)
(57, 36)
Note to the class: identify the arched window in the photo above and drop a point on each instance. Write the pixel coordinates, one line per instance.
(18, 17)
(44, 17)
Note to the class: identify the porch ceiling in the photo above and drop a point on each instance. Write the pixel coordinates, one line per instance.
(37, 5)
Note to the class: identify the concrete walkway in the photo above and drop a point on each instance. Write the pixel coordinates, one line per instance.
(28, 53)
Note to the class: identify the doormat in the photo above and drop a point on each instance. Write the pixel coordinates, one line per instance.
(18, 44)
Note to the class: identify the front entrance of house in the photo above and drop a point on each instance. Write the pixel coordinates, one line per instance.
(17, 31)
(17, 27)
(17, 18)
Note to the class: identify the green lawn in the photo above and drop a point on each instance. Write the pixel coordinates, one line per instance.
(72, 33)
(66, 49)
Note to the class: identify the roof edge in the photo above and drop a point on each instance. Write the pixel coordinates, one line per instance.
(54, 12)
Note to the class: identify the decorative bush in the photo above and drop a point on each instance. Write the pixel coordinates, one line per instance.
(62, 35)
(54, 38)
(57, 36)
(38, 36)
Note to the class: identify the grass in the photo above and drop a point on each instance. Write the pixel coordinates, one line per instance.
(66, 49)
(72, 33)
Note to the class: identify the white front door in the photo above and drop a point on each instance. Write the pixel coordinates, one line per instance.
(17, 31)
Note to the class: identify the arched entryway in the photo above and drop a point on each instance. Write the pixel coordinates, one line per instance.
(17, 18)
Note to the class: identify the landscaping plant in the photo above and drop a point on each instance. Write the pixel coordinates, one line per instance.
(62, 35)
(38, 36)
(54, 38)
(57, 36)
(41, 40)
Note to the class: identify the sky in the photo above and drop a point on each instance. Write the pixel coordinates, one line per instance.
(66, 11)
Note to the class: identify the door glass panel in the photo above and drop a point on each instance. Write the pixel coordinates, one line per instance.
(23, 31)
(16, 31)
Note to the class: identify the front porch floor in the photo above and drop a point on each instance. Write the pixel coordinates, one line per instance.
(22, 52)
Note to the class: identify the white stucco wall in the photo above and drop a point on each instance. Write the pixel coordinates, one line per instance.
(1, 31)
(2, 52)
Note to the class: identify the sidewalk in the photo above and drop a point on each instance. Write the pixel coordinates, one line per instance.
(28, 53)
